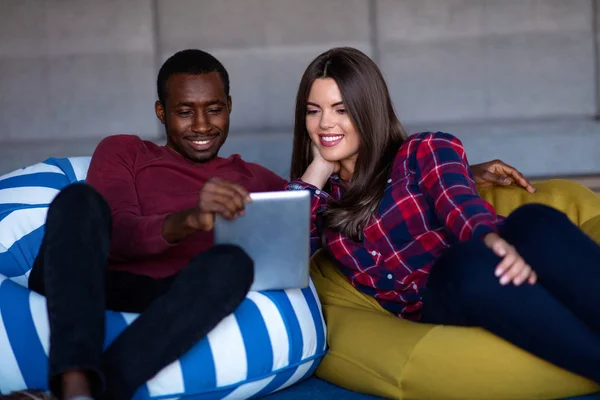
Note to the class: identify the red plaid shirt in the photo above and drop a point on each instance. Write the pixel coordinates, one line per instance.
(430, 202)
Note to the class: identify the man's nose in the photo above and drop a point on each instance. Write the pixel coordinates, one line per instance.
(200, 123)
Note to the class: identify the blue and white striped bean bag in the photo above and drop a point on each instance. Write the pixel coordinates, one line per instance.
(273, 340)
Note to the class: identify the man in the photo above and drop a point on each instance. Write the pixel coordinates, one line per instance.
(147, 213)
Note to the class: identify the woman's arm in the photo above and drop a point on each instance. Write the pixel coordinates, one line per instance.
(444, 176)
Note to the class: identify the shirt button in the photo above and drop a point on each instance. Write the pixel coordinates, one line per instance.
(373, 253)
(317, 192)
(389, 276)
(389, 181)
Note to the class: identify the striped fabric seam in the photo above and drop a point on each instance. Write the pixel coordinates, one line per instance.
(235, 385)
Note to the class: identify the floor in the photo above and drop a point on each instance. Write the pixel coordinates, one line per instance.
(317, 389)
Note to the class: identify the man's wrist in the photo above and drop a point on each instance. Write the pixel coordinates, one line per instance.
(179, 225)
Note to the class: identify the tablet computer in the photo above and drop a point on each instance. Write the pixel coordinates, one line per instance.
(275, 232)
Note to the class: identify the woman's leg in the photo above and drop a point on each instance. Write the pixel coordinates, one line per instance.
(210, 288)
(566, 260)
(462, 290)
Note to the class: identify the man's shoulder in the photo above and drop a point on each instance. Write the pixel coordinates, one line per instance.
(123, 144)
(259, 170)
(121, 141)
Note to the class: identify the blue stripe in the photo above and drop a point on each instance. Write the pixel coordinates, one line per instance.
(23, 337)
(52, 180)
(198, 368)
(65, 165)
(21, 255)
(276, 383)
(115, 324)
(292, 325)
(316, 315)
(259, 352)
(7, 208)
(142, 393)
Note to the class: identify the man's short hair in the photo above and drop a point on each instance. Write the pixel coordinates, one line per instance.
(193, 62)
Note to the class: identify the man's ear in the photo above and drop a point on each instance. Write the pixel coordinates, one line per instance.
(229, 103)
(160, 111)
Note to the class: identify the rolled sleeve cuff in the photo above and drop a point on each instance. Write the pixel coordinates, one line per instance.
(483, 229)
(301, 185)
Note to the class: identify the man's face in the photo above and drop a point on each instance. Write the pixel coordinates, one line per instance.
(195, 115)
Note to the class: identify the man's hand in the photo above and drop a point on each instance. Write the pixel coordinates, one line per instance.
(513, 267)
(499, 173)
(218, 196)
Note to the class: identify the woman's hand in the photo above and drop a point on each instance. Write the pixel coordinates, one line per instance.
(332, 167)
(498, 172)
(513, 267)
(319, 170)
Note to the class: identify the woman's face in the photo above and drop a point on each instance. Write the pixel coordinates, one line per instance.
(328, 123)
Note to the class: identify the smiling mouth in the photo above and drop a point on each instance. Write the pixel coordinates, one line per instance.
(330, 140)
(204, 143)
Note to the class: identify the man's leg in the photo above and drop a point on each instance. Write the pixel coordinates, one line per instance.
(207, 290)
(566, 260)
(462, 290)
(70, 271)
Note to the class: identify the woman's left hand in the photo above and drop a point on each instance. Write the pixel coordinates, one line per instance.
(497, 172)
(513, 268)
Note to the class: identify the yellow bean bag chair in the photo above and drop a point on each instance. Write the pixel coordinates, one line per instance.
(371, 351)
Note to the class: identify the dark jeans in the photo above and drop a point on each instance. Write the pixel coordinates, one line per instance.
(557, 319)
(71, 271)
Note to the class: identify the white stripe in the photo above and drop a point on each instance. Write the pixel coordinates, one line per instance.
(307, 326)
(10, 374)
(169, 380)
(27, 195)
(300, 372)
(280, 342)
(228, 351)
(39, 313)
(41, 167)
(249, 389)
(313, 289)
(21, 280)
(129, 317)
(80, 166)
(20, 223)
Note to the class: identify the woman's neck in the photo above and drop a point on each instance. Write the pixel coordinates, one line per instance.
(347, 168)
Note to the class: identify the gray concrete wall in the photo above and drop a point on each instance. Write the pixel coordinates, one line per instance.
(73, 71)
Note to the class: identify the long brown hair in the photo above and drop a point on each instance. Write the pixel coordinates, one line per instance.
(367, 101)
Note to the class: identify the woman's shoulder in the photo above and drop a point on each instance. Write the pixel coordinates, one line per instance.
(422, 145)
(424, 142)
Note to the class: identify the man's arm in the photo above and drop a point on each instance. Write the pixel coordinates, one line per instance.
(497, 172)
(134, 235)
(111, 173)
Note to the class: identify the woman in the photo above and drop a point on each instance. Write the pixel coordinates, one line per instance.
(402, 217)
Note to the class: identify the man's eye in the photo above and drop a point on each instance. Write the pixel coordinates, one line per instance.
(215, 111)
(185, 113)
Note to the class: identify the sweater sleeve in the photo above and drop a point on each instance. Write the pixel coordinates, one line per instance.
(112, 173)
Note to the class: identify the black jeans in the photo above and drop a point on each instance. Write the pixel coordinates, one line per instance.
(71, 271)
(557, 319)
